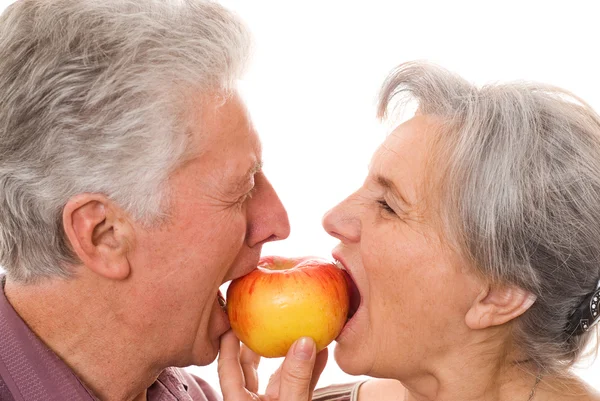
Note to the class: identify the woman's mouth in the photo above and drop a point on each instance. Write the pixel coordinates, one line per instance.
(355, 298)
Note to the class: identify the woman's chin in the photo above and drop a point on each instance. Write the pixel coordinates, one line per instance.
(351, 344)
(349, 361)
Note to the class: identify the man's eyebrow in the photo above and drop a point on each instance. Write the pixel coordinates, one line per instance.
(256, 167)
(242, 181)
(238, 184)
(389, 185)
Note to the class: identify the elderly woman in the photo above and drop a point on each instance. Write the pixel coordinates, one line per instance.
(474, 243)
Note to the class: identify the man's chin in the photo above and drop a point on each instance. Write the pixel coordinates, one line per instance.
(206, 353)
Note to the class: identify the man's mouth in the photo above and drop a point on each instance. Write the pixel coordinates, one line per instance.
(221, 300)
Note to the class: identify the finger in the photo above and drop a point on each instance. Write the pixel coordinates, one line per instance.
(249, 361)
(272, 390)
(320, 363)
(297, 371)
(231, 375)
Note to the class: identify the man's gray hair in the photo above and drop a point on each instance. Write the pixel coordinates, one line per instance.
(519, 183)
(95, 97)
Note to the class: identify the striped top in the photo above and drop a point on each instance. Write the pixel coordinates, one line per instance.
(338, 392)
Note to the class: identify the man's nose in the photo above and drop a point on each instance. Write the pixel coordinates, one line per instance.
(267, 218)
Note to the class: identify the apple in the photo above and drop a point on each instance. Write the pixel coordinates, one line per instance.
(288, 298)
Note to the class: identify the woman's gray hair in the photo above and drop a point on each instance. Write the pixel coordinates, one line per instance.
(519, 183)
(95, 97)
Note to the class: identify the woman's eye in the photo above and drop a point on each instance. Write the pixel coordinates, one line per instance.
(384, 206)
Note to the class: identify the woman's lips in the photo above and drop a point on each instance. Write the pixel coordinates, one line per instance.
(355, 298)
(354, 295)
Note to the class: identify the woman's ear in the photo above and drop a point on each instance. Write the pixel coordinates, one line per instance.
(99, 234)
(498, 305)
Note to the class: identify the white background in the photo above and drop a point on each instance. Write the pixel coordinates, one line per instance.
(317, 67)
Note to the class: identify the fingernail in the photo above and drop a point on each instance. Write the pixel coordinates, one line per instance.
(304, 348)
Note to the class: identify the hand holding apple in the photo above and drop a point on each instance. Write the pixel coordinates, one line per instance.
(285, 299)
(295, 379)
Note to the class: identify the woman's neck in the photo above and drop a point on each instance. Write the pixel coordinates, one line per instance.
(488, 368)
(518, 380)
(471, 385)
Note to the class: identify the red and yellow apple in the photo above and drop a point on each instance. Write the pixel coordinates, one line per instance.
(285, 299)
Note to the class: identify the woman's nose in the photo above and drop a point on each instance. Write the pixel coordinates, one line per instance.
(343, 221)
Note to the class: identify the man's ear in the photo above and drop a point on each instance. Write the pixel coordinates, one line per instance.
(99, 234)
(497, 305)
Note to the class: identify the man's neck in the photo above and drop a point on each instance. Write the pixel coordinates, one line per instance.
(89, 335)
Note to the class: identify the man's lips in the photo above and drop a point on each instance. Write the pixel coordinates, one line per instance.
(228, 279)
(221, 300)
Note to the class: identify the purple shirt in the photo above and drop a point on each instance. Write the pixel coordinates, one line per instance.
(30, 371)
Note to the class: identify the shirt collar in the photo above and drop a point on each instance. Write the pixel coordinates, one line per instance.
(32, 370)
(28, 366)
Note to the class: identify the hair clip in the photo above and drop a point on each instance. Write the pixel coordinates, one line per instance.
(586, 315)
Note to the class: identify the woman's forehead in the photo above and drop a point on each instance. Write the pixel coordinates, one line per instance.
(405, 150)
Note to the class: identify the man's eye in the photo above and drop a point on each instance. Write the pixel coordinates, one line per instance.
(384, 206)
(247, 196)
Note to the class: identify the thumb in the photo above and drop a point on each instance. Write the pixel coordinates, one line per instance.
(297, 371)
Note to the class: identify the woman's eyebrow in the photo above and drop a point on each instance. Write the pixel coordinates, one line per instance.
(389, 185)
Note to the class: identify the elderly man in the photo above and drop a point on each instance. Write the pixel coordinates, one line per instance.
(131, 190)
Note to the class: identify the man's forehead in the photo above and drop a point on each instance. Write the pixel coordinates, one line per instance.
(222, 123)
